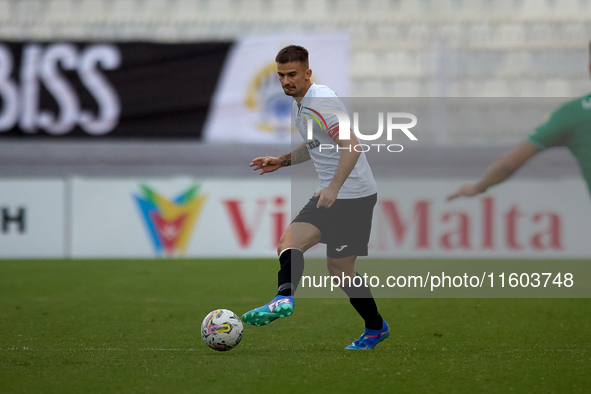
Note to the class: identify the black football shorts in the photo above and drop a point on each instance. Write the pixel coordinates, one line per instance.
(345, 226)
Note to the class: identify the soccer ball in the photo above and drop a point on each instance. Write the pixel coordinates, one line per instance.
(221, 330)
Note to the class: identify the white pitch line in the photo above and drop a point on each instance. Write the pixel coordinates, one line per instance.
(98, 349)
(149, 349)
(167, 350)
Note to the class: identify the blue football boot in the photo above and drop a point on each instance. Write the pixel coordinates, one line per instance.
(370, 338)
(280, 306)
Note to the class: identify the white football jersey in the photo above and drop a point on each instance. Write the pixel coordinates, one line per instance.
(360, 182)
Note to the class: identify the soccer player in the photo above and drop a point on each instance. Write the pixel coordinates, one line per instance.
(339, 214)
(569, 125)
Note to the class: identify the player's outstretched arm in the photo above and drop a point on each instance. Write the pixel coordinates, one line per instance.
(270, 163)
(502, 168)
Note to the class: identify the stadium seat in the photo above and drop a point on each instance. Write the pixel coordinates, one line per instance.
(403, 64)
(397, 42)
(5, 14)
(364, 63)
(406, 88)
(27, 12)
(59, 12)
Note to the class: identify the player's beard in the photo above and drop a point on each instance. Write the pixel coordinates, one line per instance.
(292, 92)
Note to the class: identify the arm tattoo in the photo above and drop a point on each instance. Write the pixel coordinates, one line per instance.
(286, 159)
(296, 156)
(300, 154)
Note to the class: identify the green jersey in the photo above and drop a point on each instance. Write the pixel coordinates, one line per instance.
(569, 125)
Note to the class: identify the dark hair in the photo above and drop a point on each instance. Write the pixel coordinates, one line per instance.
(293, 53)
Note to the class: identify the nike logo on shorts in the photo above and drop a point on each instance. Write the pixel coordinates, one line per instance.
(341, 248)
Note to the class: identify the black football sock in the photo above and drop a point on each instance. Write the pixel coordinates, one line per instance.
(364, 304)
(290, 274)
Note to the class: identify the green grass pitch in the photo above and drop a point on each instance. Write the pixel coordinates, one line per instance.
(133, 327)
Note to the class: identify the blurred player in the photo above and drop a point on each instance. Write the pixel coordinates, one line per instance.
(339, 214)
(569, 125)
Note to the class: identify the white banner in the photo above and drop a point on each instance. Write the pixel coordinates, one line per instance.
(179, 217)
(32, 219)
(526, 219)
(239, 218)
(249, 104)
